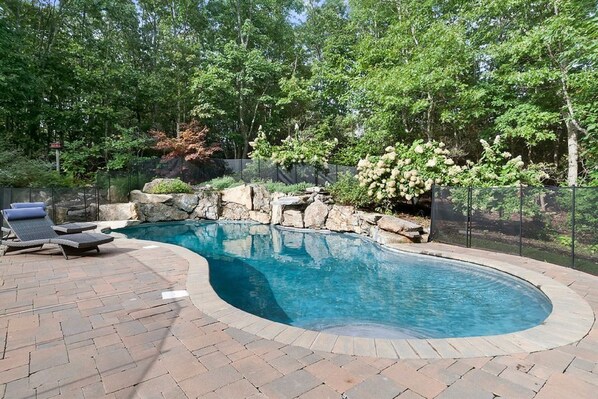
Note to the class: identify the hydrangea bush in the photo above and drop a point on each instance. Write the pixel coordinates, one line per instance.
(407, 171)
(498, 168)
(294, 151)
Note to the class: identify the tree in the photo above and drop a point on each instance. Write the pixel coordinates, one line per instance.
(191, 143)
(237, 85)
(542, 62)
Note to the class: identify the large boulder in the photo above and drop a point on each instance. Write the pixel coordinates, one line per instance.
(152, 212)
(260, 217)
(261, 199)
(122, 211)
(341, 218)
(185, 202)
(208, 205)
(315, 215)
(397, 225)
(234, 211)
(386, 238)
(241, 195)
(276, 208)
(292, 218)
(138, 196)
(149, 187)
(366, 221)
(292, 200)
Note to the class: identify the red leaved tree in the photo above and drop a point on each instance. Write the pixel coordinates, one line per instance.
(191, 143)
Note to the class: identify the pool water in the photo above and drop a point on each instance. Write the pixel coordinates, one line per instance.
(346, 285)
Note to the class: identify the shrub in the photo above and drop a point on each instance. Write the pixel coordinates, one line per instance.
(348, 191)
(280, 187)
(17, 170)
(294, 151)
(171, 187)
(221, 183)
(406, 172)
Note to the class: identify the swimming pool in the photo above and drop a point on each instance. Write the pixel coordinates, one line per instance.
(349, 286)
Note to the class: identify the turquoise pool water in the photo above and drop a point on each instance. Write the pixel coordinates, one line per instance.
(346, 285)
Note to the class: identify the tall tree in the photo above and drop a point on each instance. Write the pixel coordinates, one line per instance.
(237, 83)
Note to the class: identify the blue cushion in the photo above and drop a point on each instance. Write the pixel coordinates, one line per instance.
(21, 205)
(25, 213)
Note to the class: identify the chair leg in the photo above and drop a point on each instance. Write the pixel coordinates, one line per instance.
(64, 252)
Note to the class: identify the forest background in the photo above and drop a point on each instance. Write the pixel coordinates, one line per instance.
(99, 76)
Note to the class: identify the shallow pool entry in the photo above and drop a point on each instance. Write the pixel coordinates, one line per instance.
(346, 285)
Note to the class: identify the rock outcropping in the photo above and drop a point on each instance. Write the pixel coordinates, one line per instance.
(314, 210)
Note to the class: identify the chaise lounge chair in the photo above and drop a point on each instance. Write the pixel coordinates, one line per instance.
(33, 229)
(65, 228)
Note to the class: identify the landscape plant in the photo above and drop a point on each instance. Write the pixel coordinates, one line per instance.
(405, 172)
(294, 151)
(191, 143)
(171, 186)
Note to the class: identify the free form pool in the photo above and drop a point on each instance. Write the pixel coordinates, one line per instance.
(349, 286)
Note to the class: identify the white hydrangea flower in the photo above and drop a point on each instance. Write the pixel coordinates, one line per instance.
(431, 163)
(449, 162)
(419, 149)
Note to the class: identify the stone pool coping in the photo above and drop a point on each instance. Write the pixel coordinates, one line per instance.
(570, 320)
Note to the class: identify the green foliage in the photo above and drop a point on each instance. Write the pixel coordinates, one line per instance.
(302, 151)
(294, 151)
(406, 172)
(17, 170)
(347, 191)
(279, 187)
(221, 183)
(498, 168)
(171, 187)
(261, 148)
(96, 76)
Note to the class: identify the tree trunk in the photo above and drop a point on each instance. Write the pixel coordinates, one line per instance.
(572, 154)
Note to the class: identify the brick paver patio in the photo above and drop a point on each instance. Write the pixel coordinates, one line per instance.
(97, 326)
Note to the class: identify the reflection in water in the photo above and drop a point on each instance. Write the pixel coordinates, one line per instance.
(339, 283)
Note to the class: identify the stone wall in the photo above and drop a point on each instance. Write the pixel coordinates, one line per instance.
(314, 209)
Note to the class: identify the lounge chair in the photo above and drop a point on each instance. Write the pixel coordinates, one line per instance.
(33, 229)
(65, 228)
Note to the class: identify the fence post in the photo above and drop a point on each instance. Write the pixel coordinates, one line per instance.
(432, 210)
(277, 174)
(573, 227)
(85, 203)
(468, 228)
(129, 179)
(520, 220)
(30, 195)
(98, 203)
(53, 203)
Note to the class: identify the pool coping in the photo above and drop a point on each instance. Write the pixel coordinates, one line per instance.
(570, 320)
